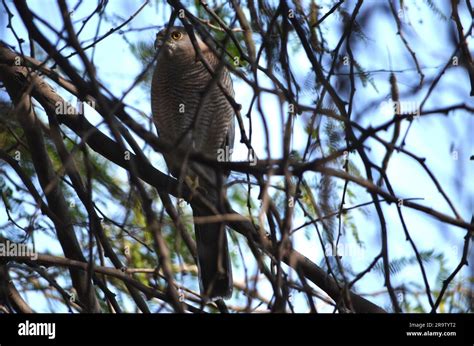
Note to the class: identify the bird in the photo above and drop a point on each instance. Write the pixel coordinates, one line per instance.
(190, 109)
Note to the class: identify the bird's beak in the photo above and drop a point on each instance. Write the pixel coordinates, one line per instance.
(158, 43)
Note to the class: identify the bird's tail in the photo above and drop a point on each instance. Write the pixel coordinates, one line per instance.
(215, 270)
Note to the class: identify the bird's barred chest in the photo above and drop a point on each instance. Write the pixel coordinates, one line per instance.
(187, 103)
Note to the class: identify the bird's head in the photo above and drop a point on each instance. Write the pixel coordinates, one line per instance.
(175, 42)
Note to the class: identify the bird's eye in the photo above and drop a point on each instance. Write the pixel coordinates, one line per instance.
(176, 35)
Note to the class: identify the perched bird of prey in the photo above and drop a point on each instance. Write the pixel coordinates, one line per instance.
(190, 110)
